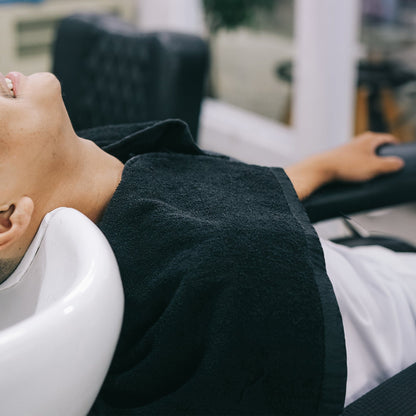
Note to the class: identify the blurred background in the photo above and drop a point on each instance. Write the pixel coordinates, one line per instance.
(287, 78)
(253, 49)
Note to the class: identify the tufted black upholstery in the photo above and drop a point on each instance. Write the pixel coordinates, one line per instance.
(111, 73)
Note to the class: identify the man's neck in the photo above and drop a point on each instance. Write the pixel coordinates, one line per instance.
(84, 177)
(90, 181)
(99, 177)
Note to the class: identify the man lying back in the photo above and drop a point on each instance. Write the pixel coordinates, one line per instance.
(229, 308)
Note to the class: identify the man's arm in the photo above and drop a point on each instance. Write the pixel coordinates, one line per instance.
(355, 161)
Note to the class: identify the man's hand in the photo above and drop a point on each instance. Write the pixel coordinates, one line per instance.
(355, 161)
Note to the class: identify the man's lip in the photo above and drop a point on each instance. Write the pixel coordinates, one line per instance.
(15, 78)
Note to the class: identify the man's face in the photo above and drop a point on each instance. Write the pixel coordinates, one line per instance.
(32, 120)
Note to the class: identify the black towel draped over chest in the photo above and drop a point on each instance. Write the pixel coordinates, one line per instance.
(228, 308)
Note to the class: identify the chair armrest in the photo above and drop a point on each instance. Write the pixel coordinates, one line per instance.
(339, 199)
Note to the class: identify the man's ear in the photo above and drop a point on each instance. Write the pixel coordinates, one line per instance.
(14, 221)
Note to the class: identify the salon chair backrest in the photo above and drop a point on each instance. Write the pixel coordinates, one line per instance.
(111, 73)
(60, 318)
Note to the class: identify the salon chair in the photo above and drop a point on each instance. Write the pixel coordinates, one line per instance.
(60, 318)
(397, 395)
(111, 73)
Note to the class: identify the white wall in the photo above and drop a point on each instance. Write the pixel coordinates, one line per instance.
(178, 15)
(325, 74)
(326, 48)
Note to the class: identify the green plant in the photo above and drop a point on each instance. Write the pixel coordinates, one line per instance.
(230, 14)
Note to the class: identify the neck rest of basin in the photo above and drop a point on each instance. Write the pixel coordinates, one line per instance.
(60, 318)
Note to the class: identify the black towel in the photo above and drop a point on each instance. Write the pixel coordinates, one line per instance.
(228, 307)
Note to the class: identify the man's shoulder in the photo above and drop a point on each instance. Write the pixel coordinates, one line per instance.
(127, 140)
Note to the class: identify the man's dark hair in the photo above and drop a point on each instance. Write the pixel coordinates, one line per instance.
(7, 267)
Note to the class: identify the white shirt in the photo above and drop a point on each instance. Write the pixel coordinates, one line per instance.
(376, 293)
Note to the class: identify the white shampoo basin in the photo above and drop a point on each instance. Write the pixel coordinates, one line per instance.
(60, 318)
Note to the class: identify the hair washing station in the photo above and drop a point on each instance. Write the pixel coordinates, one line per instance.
(61, 312)
(60, 318)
